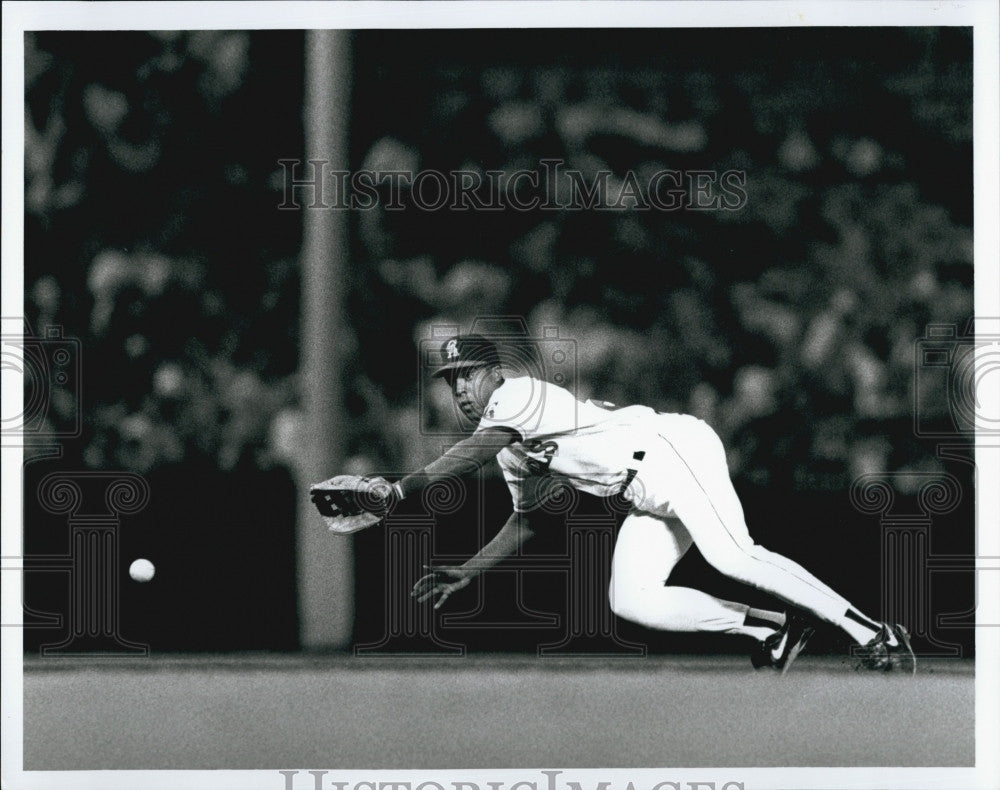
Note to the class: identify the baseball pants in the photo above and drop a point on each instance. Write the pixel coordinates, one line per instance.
(682, 494)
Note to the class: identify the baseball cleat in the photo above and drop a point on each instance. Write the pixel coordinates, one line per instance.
(889, 650)
(782, 647)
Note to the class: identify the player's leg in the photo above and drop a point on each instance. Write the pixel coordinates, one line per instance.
(647, 550)
(701, 494)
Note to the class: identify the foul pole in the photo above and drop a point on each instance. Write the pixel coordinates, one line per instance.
(325, 566)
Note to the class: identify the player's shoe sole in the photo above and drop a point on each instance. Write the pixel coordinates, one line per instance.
(798, 634)
(888, 651)
(902, 656)
(780, 649)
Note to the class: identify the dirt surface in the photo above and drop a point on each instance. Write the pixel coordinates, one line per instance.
(259, 711)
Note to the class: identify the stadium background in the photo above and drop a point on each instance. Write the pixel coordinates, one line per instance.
(153, 235)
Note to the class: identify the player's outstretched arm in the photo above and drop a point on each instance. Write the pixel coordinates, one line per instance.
(443, 580)
(463, 458)
(349, 503)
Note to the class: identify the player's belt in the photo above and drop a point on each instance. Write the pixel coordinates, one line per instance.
(630, 473)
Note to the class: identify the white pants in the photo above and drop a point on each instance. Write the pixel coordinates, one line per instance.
(681, 494)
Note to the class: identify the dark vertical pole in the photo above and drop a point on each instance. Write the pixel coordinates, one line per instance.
(325, 572)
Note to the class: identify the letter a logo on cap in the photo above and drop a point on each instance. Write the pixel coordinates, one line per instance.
(452, 349)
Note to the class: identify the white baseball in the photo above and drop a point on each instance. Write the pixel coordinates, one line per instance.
(141, 570)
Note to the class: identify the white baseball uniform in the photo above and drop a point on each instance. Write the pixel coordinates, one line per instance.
(672, 469)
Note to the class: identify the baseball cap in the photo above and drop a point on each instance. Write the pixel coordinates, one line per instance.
(467, 351)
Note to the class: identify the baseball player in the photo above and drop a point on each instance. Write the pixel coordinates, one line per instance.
(671, 469)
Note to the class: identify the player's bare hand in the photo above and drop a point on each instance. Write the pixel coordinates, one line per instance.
(440, 583)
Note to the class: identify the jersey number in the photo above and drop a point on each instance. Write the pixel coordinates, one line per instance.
(539, 466)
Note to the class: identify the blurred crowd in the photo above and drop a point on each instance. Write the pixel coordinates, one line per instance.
(790, 324)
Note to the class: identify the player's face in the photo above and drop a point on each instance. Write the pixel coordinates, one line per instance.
(472, 388)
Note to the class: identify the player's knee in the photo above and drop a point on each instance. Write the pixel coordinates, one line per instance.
(627, 599)
(654, 607)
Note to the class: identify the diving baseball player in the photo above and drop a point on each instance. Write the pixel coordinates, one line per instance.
(671, 469)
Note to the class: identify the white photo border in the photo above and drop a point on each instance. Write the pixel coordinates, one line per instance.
(981, 15)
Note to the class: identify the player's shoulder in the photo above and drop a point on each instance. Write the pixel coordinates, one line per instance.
(517, 384)
(531, 407)
(520, 392)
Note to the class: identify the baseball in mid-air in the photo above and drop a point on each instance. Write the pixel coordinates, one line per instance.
(141, 570)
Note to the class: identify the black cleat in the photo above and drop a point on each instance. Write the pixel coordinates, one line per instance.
(888, 651)
(782, 647)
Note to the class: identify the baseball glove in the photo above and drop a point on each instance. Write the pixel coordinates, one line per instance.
(349, 503)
